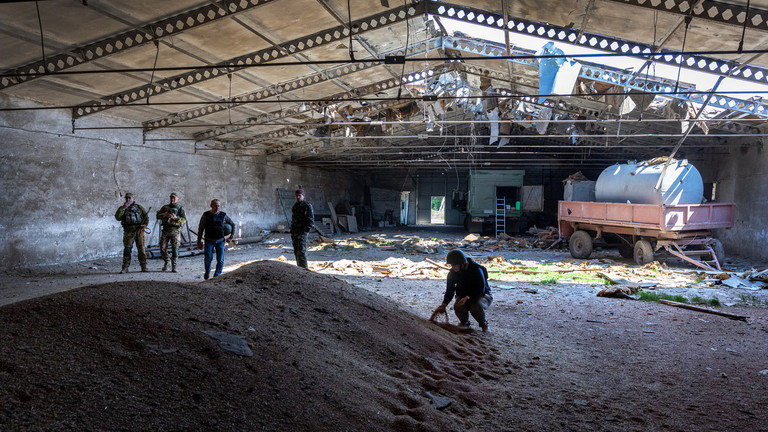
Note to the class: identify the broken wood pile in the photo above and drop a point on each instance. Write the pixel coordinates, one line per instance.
(472, 242)
(391, 267)
(756, 275)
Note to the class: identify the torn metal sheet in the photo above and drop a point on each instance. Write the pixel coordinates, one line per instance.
(548, 69)
(231, 342)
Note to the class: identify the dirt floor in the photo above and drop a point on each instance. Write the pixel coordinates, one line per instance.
(348, 347)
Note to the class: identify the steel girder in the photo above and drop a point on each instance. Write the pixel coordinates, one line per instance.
(295, 46)
(352, 95)
(708, 10)
(257, 95)
(127, 40)
(600, 42)
(288, 86)
(339, 97)
(564, 105)
(617, 77)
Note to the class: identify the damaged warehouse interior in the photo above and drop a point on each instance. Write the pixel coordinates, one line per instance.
(603, 159)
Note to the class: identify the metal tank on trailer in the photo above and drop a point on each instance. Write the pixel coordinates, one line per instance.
(635, 183)
(643, 218)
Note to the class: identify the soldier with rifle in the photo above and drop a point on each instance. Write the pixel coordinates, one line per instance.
(172, 217)
(134, 220)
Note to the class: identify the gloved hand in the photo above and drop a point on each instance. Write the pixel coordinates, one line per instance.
(439, 310)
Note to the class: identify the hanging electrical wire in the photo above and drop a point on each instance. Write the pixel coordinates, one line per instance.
(407, 41)
(152, 77)
(688, 19)
(744, 29)
(40, 24)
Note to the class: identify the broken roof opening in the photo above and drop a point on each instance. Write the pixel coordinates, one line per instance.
(730, 86)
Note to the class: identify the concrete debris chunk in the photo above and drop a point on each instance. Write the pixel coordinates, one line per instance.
(441, 402)
(619, 291)
(737, 282)
(231, 342)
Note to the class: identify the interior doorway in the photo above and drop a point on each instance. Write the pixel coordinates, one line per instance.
(404, 198)
(437, 213)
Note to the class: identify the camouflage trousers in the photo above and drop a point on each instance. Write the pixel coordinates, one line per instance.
(131, 235)
(300, 249)
(174, 238)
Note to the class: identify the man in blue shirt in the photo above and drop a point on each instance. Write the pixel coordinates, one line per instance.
(213, 229)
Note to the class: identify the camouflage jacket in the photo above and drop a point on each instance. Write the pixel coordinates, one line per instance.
(133, 215)
(168, 223)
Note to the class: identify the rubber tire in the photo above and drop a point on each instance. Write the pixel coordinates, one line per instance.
(717, 246)
(626, 250)
(643, 252)
(580, 244)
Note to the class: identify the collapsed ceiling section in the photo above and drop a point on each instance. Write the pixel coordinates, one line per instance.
(370, 85)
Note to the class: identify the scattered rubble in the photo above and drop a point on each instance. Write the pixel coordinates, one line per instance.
(620, 291)
(472, 242)
(486, 250)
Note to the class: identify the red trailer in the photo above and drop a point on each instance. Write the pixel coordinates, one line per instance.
(641, 229)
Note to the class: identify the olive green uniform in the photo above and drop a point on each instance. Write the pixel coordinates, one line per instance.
(132, 218)
(171, 232)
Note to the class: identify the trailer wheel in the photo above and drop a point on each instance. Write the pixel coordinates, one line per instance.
(580, 244)
(643, 252)
(626, 249)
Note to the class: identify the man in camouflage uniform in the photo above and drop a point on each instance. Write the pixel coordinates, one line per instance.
(302, 220)
(134, 219)
(172, 217)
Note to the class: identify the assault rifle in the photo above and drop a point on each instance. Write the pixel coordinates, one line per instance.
(145, 222)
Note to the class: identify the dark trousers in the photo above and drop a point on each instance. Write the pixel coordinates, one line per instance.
(476, 308)
(300, 249)
(210, 246)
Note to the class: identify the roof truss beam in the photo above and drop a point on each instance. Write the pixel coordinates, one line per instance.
(600, 42)
(708, 10)
(339, 97)
(617, 77)
(127, 40)
(289, 48)
(286, 87)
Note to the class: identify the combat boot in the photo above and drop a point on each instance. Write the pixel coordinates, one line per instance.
(126, 264)
(144, 268)
(173, 267)
(165, 266)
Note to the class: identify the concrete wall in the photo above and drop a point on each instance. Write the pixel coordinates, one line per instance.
(399, 184)
(61, 189)
(742, 178)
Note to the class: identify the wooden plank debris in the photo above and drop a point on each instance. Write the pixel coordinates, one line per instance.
(334, 219)
(705, 310)
(437, 264)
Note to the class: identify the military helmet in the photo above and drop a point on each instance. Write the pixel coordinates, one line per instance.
(173, 194)
(128, 195)
(456, 257)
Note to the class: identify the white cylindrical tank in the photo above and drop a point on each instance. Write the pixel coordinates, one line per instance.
(636, 183)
